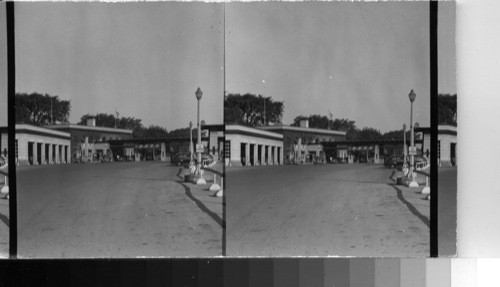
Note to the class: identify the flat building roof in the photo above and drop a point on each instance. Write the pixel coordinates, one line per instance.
(302, 129)
(89, 128)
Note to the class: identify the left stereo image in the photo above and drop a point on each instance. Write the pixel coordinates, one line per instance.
(4, 175)
(119, 130)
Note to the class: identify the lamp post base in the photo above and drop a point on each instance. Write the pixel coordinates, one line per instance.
(200, 180)
(214, 187)
(409, 182)
(4, 190)
(426, 190)
(413, 183)
(219, 193)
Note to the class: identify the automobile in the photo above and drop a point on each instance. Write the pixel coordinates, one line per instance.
(184, 159)
(181, 159)
(390, 161)
(206, 159)
(106, 159)
(419, 161)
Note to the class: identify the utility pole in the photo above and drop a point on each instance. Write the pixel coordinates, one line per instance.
(265, 123)
(51, 112)
(117, 115)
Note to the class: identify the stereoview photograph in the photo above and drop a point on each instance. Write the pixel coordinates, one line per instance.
(119, 129)
(327, 113)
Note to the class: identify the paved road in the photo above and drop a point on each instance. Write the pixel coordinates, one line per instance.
(323, 210)
(447, 214)
(112, 210)
(4, 226)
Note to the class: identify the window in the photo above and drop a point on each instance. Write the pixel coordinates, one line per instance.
(227, 149)
(439, 150)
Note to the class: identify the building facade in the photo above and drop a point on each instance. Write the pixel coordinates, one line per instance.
(88, 142)
(447, 144)
(4, 147)
(245, 146)
(37, 146)
(303, 144)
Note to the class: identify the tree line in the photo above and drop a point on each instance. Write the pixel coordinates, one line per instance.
(44, 109)
(251, 110)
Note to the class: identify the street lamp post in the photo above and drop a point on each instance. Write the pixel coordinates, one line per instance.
(190, 142)
(404, 145)
(413, 183)
(200, 179)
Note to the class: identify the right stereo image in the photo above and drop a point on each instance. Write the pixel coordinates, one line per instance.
(329, 135)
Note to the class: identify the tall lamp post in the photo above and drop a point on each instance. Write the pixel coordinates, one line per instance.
(200, 179)
(413, 183)
(404, 144)
(190, 141)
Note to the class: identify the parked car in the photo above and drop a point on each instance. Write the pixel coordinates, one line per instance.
(206, 159)
(419, 161)
(106, 159)
(390, 161)
(181, 159)
(184, 159)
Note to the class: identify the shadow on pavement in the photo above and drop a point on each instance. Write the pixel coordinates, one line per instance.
(4, 219)
(200, 205)
(410, 206)
(198, 202)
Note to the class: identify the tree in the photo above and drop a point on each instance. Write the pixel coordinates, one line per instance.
(181, 133)
(447, 109)
(344, 125)
(395, 135)
(324, 122)
(251, 110)
(315, 121)
(154, 132)
(108, 120)
(41, 109)
(368, 133)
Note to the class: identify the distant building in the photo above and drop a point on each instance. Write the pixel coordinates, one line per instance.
(37, 146)
(90, 143)
(447, 143)
(3, 127)
(4, 147)
(141, 149)
(246, 146)
(302, 143)
(364, 151)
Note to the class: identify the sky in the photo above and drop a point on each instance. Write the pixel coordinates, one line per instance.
(356, 60)
(145, 60)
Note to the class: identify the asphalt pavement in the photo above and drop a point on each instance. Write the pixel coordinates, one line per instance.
(4, 226)
(115, 210)
(319, 210)
(447, 211)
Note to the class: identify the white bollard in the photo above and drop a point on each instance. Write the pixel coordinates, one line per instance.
(214, 186)
(426, 189)
(5, 189)
(220, 192)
